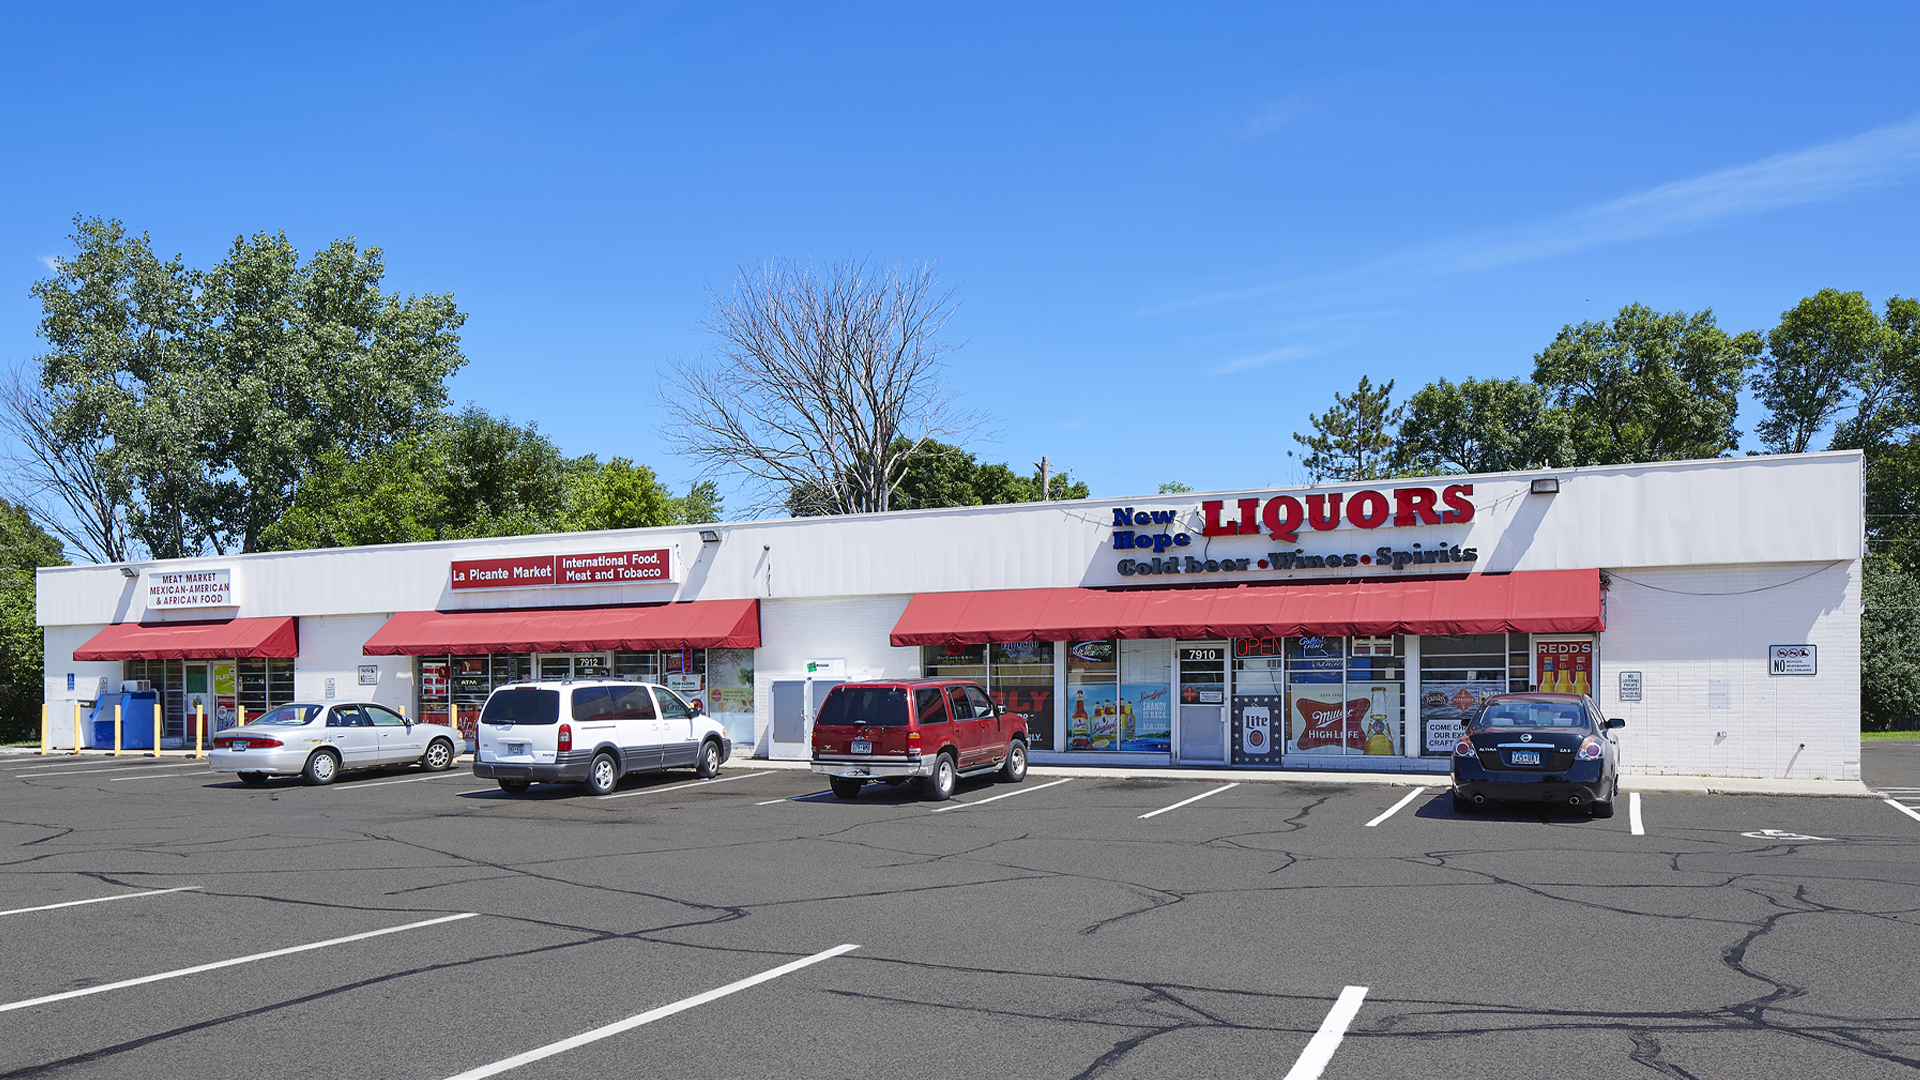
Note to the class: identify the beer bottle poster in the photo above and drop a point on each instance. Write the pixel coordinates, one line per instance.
(1563, 667)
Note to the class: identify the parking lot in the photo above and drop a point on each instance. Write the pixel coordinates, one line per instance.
(162, 920)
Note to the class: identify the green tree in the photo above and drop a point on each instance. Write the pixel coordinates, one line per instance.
(1648, 386)
(200, 399)
(700, 505)
(937, 474)
(24, 547)
(617, 495)
(1481, 425)
(1823, 356)
(501, 479)
(394, 495)
(1352, 440)
(1889, 645)
(1174, 487)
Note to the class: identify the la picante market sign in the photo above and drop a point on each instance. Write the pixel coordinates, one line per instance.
(594, 568)
(1156, 534)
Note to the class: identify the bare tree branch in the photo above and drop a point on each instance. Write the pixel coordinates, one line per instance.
(826, 383)
(57, 479)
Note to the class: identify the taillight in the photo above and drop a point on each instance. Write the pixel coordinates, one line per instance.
(566, 737)
(913, 744)
(1590, 750)
(1463, 748)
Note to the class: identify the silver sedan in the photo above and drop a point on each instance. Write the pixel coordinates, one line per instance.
(315, 741)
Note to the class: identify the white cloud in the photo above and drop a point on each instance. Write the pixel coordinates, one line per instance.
(1877, 158)
(1260, 360)
(52, 262)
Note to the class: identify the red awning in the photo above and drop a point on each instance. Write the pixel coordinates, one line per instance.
(277, 637)
(693, 624)
(1538, 601)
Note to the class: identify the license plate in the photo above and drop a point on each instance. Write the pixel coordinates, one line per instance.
(236, 748)
(1526, 757)
(513, 749)
(862, 746)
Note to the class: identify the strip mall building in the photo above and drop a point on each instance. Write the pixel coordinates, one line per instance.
(1715, 605)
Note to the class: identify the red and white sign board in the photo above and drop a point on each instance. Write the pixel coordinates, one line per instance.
(595, 568)
(190, 588)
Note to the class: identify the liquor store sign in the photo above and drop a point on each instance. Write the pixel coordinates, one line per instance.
(546, 571)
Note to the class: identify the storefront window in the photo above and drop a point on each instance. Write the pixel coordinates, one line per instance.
(685, 672)
(1259, 696)
(730, 694)
(954, 661)
(1457, 674)
(1146, 695)
(264, 684)
(1022, 685)
(1093, 706)
(644, 666)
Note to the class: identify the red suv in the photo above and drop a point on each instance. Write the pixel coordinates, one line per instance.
(936, 730)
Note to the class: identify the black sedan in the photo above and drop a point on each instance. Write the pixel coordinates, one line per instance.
(1538, 748)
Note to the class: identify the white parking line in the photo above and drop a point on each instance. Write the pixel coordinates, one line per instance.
(649, 1016)
(1183, 802)
(1394, 809)
(159, 776)
(1633, 814)
(1903, 808)
(1320, 1048)
(100, 900)
(68, 764)
(448, 775)
(794, 798)
(997, 798)
(142, 980)
(129, 766)
(678, 787)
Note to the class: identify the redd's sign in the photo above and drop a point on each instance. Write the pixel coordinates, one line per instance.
(1283, 515)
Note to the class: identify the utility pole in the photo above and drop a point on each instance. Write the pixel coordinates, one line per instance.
(1043, 464)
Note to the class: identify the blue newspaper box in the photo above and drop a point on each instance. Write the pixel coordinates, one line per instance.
(137, 712)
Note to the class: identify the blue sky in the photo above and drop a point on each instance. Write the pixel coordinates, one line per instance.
(1175, 231)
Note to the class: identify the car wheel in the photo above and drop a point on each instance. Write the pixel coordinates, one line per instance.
(322, 768)
(514, 786)
(601, 775)
(1015, 769)
(253, 778)
(1462, 805)
(439, 756)
(946, 776)
(1601, 809)
(844, 787)
(709, 761)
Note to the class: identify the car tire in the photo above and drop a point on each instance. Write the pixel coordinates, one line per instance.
(323, 768)
(1601, 809)
(514, 787)
(1015, 768)
(946, 776)
(708, 763)
(253, 778)
(602, 775)
(844, 787)
(1462, 805)
(439, 756)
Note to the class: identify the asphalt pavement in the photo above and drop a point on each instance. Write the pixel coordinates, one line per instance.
(1064, 927)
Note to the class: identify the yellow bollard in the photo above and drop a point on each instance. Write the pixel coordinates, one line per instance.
(46, 728)
(241, 716)
(156, 731)
(116, 730)
(76, 728)
(199, 728)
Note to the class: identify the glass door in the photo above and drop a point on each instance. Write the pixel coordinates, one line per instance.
(1202, 735)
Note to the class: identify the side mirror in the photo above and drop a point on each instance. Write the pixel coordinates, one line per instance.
(697, 709)
(1616, 722)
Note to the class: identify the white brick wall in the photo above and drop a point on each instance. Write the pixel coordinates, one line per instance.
(794, 632)
(1686, 629)
(330, 649)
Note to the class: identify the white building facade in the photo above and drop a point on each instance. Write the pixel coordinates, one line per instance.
(1714, 605)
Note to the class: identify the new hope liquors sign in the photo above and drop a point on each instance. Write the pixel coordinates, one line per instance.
(593, 568)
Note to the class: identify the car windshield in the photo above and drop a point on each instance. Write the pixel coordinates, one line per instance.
(875, 706)
(289, 715)
(1532, 714)
(522, 705)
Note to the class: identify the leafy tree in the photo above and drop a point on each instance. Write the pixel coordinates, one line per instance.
(1481, 425)
(1354, 439)
(617, 495)
(394, 495)
(1174, 487)
(941, 475)
(1648, 386)
(24, 547)
(1825, 355)
(701, 504)
(501, 479)
(196, 401)
(1889, 646)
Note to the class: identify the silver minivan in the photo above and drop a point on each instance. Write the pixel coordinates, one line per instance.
(592, 732)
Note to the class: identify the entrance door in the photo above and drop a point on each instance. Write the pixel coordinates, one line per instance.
(199, 703)
(1202, 679)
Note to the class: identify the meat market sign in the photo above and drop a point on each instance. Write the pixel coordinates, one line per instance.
(544, 571)
(190, 588)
